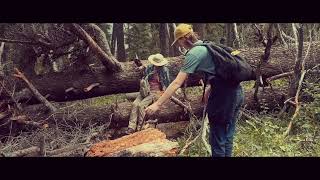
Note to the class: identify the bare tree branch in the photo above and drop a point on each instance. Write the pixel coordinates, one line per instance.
(281, 36)
(178, 102)
(237, 39)
(279, 76)
(297, 104)
(18, 41)
(299, 71)
(34, 90)
(23, 152)
(107, 59)
(267, 42)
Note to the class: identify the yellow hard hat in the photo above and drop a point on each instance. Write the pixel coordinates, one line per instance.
(180, 31)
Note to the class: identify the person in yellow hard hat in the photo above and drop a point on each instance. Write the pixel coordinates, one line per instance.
(224, 103)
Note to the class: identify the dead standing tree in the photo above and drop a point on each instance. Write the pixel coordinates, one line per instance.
(299, 72)
(267, 43)
(236, 34)
(164, 39)
(117, 42)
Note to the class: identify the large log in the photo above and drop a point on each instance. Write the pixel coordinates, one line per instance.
(118, 117)
(66, 86)
(173, 129)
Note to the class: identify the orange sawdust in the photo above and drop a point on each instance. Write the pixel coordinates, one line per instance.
(108, 147)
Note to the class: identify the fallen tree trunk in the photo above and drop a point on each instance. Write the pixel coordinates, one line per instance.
(66, 86)
(118, 116)
(173, 129)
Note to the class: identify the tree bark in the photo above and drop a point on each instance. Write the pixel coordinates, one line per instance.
(237, 38)
(281, 35)
(118, 115)
(119, 38)
(35, 91)
(200, 28)
(113, 39)
(299, 63)
(164, 40)
(229, 34)
(107, 59)
(99, 37)
(173, 129)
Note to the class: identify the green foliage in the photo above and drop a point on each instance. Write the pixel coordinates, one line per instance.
(247, 85)
(263, 136)
(107, 29)
(194, 90)
(98, 101)
(105, 100)
(197, 149)
(143, 39)
(280, 83)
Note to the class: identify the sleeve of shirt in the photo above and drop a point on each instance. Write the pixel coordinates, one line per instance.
(191, 63)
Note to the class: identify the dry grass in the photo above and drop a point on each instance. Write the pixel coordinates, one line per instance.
(56, 138)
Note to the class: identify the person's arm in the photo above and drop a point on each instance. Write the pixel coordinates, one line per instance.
(181, 77)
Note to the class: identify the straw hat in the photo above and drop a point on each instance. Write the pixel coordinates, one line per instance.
(157, 60)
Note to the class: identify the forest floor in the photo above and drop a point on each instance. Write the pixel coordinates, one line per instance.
(263, 135)
(259, 136)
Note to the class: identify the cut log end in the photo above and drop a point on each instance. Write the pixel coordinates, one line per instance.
(149, 142)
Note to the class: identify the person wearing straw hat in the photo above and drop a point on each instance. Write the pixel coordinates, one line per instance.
(155, 81)
(223, 104)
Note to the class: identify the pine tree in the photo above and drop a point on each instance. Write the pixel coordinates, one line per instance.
(106, 28)
(142, 39)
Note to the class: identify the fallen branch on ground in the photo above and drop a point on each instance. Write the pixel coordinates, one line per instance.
(36, 151)
(22, 120)
(181, 104)
(34, 90)
(297, 104)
